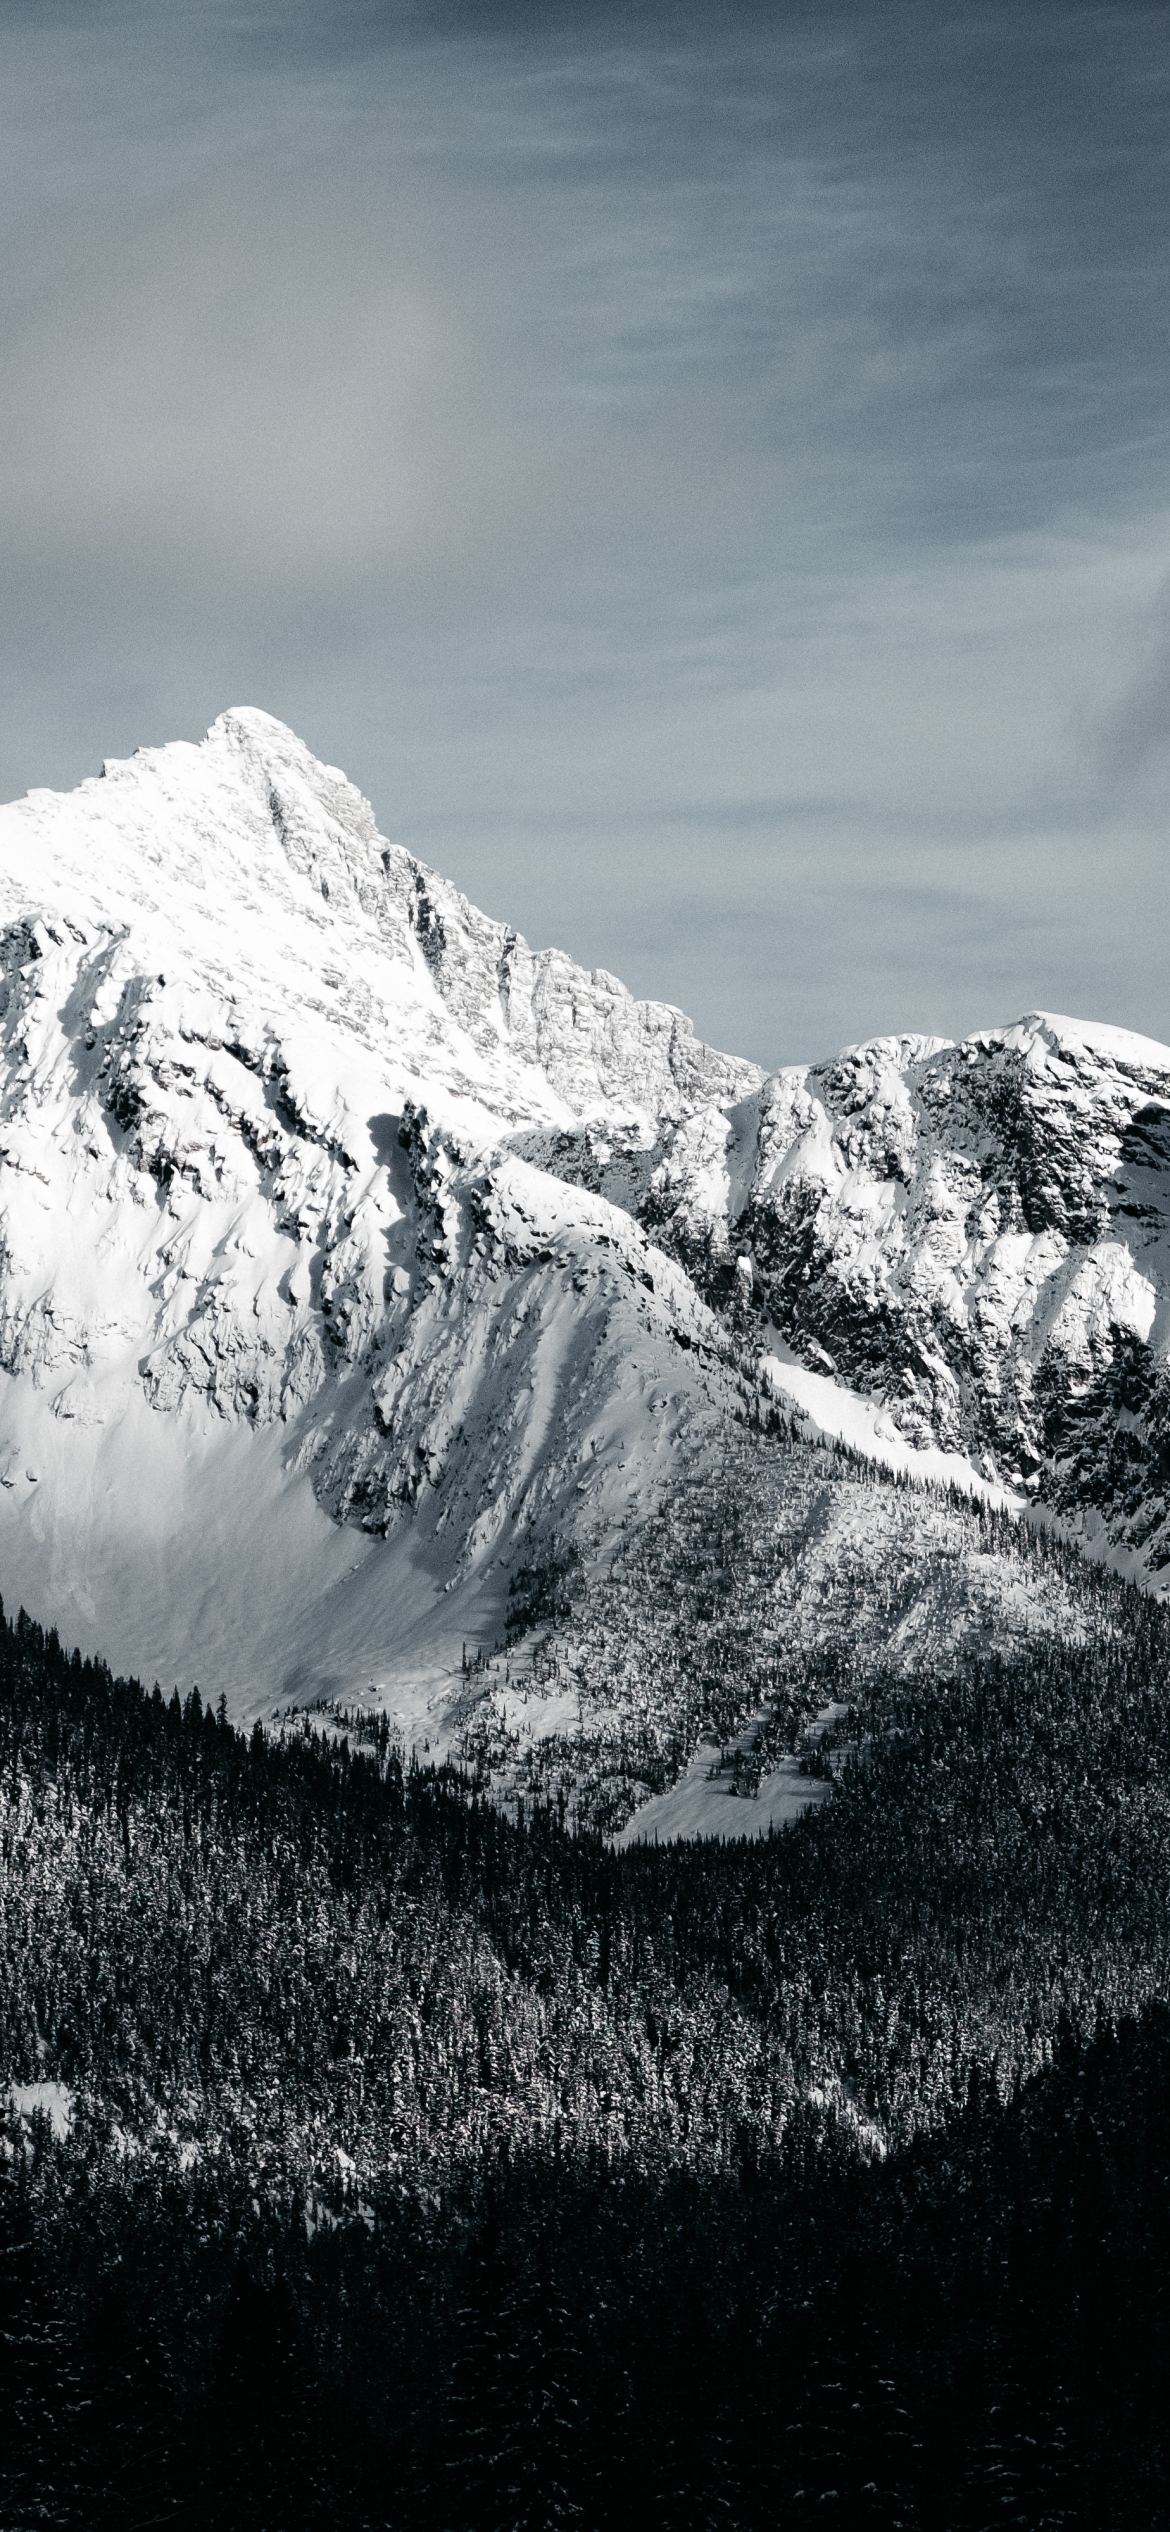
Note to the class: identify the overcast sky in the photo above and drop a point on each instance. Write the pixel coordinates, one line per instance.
(704, 472)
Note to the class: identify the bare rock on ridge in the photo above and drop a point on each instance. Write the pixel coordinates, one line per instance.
(972, 1236)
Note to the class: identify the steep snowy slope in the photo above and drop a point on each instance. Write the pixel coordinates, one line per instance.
(974, 1236)
(265, 1265)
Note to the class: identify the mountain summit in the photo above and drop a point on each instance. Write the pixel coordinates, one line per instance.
(363, 1271)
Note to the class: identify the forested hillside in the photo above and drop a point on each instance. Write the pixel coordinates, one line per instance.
(423, 2166)
(789, 1573)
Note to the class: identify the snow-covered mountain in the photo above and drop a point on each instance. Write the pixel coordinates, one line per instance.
(273, 1283)
(358, 1264)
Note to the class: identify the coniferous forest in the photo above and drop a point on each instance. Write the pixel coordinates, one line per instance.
(377, 2159)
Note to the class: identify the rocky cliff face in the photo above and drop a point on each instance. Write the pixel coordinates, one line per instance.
(973, 1236)
(359, 1264)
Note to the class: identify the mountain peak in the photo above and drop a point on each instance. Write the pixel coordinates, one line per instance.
(1097, 1040)
(277, 1281)
(246, 852)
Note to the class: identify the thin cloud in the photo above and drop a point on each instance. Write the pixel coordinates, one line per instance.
(1135, 727)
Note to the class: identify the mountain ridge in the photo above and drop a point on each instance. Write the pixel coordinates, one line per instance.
(356, 1259)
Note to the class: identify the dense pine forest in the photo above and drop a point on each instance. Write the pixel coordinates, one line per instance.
(379, 2159)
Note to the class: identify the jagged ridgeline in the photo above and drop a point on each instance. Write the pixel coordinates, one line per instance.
(376, 2158)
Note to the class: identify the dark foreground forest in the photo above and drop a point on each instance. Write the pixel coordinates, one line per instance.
(412, 2166)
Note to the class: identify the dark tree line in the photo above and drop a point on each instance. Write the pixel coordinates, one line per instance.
(972, 2332)
(431, 2168)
